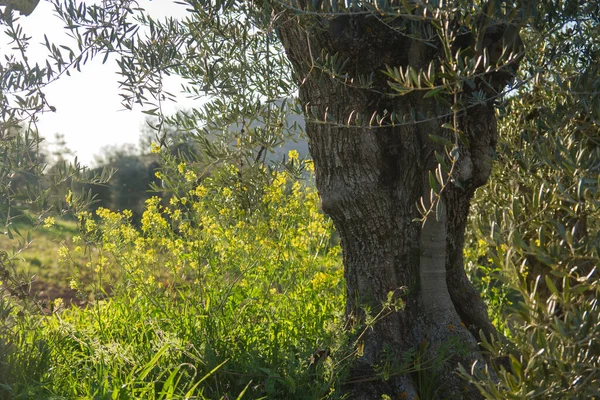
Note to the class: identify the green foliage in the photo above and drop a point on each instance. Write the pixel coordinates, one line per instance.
(20, 175)
(537, 223)
(23, 184)
(209, 297)
(24, 356)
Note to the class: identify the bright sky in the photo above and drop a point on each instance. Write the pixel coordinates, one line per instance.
(88, 110)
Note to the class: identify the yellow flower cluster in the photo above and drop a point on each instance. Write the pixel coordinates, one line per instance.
(208, 231)
(154, 148)
(49, 222)
(63, 253)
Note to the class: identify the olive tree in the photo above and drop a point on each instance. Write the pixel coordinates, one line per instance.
(399, 103)
(407, 118)
(30, 193)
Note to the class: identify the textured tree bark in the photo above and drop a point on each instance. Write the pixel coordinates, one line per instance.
(370, 180)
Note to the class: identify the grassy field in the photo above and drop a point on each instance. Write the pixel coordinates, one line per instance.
(38, 263)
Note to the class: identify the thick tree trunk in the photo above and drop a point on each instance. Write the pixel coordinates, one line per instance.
(370, 181)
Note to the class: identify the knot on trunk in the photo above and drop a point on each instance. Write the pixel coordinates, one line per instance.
(476, 148)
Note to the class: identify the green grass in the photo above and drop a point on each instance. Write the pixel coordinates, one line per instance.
(207, 299)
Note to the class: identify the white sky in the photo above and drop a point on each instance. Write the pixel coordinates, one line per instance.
(88, 110)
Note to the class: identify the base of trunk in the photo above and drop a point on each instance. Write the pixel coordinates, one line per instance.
(427, 370)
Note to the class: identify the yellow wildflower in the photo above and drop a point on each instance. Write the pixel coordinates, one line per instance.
(190, 176)
(200, 191)
(69, 197)
(58, 303)
(63, 253)
(310, 165)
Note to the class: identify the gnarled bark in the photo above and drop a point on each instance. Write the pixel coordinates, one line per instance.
(370, 180)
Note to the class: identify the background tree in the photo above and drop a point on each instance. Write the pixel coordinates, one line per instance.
(29, 194)
(130, 186)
